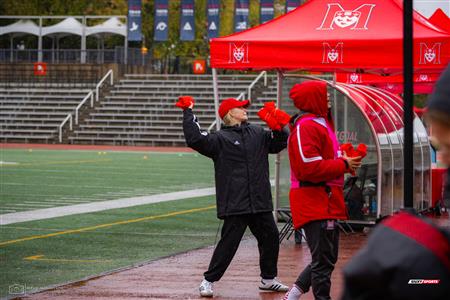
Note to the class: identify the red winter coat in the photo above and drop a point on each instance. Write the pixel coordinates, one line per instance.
(316, 163)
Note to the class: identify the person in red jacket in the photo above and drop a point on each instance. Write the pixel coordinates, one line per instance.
(317, 177)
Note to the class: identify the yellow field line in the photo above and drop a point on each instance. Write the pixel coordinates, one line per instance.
(44, 236)
(61, 162)
(41, 258)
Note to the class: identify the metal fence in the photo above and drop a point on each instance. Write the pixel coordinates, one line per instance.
(135, 58)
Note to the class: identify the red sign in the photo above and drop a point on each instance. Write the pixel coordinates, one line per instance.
(40, 69)
(199, 66)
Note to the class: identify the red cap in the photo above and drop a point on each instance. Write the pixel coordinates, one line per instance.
(231, 103)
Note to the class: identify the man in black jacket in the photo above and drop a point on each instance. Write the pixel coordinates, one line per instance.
(243, 192)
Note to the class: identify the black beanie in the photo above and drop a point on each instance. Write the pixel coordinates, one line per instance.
(439, 100)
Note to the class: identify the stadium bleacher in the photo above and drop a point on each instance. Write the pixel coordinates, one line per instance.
(140, 110)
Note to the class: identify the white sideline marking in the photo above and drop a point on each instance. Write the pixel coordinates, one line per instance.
(8, 163)
(48, 213)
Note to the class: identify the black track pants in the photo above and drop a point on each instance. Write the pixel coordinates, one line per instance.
(263, 227)
(323, 244)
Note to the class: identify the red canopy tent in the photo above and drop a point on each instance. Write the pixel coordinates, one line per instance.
(423, 83)
(440, 19)
(326, 35)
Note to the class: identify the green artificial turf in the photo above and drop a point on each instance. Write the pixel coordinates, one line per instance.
(108, 248)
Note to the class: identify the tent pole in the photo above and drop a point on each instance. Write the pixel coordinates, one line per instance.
(40, 40)
(408, 179)
(11, 58)
(125, 43)
(278, 155)
(216, 97)
(83, 42)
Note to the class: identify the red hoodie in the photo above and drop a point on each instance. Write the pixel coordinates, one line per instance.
(317, 170)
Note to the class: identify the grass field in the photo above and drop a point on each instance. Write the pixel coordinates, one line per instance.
(38, 254)
(46, 178)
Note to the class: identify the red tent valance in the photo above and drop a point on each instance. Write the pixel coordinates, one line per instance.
(329, 35)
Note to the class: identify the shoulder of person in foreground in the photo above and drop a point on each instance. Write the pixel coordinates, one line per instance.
(406, 257)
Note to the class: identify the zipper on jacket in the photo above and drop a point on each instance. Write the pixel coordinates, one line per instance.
(248, 174)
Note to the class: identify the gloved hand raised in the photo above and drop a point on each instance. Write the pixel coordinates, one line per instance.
(185, 102)
(275, 118)
(267, 115)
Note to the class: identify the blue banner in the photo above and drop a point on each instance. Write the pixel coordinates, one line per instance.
(187, 23)
(134, 20)
(161, 20)
(240, 15)
(266, 11)
(213, 10)
(291, 5)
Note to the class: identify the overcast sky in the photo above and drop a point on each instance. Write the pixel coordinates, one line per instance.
(427, 7)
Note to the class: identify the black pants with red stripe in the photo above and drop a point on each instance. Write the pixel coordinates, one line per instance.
(323, 243)
(263, 227)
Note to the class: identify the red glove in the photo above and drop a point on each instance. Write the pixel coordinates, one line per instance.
(282, 117)
(361, 150)
(184, 102)
(267, 116)
(274, 117)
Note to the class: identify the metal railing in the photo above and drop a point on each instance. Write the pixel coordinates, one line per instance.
(249, 93)
(249, 89)
(68, 118)
(89, 95)
(98, 86)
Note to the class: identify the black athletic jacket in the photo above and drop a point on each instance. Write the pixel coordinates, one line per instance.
(240, 155)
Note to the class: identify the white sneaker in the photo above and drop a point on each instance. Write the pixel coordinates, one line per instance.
(273, 285)
(206, 288)
(294, 293)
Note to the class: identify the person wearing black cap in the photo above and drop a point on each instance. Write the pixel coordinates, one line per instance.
(240, 152)
(407, 256)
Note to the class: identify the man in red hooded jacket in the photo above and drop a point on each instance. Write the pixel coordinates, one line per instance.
(317, 177)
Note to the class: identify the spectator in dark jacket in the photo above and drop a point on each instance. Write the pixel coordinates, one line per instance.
(407, 257)
(243, 193)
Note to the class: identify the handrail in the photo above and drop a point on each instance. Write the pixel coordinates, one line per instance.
(211, 126)
(241, 96)
(89, 95)
(97, 88)
(68, 118)
(249, 89)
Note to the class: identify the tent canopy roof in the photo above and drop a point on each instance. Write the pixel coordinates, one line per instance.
(440, 19)
(66, 26)
(325, 35)
(20, 27)
(111, 26)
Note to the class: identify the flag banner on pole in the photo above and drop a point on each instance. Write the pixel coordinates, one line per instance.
(134, 20)
(292, 4)
(213, 10)
(266, 11)
(187, 21)
(240, 15)
(161, 20)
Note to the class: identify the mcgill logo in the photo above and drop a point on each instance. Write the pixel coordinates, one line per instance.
(356, 19)
(430, 55)
(238, 53)
(333, 55)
